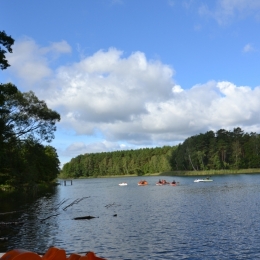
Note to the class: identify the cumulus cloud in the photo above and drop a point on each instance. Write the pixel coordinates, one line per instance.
(57, 48)
(30, 62)
(131, 101)
(226, 10)
(210, 106)
(106, 89)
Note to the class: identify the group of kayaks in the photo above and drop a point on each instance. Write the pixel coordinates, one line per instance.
(164, 182)
(159, 183)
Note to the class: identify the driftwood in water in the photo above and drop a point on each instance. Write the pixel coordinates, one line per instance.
(112, 204)
(85, 217)
(50, 217)
(62, 202)
(75, 202)
(3, 238)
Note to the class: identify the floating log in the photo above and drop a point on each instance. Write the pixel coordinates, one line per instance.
(85, 217)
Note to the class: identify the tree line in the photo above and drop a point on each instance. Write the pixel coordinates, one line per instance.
(128, 162)
(218, 150)
(25, 124)
(230, 150)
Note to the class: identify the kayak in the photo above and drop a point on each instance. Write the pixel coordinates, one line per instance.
(142, 183)
(51, 254)
(202, 180)
(122, 184)
(162, 182)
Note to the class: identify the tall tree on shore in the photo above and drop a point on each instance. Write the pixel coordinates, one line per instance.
(25, 122)
(6, 42)
(25, 116)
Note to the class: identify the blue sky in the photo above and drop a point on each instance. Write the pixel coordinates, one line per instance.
(128, 74)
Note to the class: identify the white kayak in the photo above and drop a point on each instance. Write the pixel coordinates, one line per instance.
(202, 180)
(122, 184)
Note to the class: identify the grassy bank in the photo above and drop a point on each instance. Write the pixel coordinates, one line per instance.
(209, 172)
(29, 189)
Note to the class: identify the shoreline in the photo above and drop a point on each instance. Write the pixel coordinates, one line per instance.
(177, 174)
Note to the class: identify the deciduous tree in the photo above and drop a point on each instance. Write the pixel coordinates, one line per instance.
(6, 42)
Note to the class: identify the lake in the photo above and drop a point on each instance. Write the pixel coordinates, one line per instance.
(213, 220)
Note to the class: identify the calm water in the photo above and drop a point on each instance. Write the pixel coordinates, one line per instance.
(215, 220)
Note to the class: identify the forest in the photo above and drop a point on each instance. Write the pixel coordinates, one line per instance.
(129, 162)
(27, 127)
(220, 150)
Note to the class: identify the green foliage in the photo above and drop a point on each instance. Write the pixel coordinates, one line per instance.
(6, 42)
(25, 122)
(25, 116)
(130, 162)
(223, 150)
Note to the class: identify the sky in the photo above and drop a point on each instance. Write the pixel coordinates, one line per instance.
(130, 74)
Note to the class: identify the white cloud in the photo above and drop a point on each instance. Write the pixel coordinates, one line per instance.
(108, 89)
(30, 62)
(58, 48)
(134, 101)
(226, 10)
(76, 148)
(210, 106)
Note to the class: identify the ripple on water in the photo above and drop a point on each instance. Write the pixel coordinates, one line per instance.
(217, 220)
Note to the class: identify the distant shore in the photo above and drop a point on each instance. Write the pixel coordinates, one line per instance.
(179, 173)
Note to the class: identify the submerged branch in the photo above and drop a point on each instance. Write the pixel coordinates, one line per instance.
(49, 217)
(75, 202)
